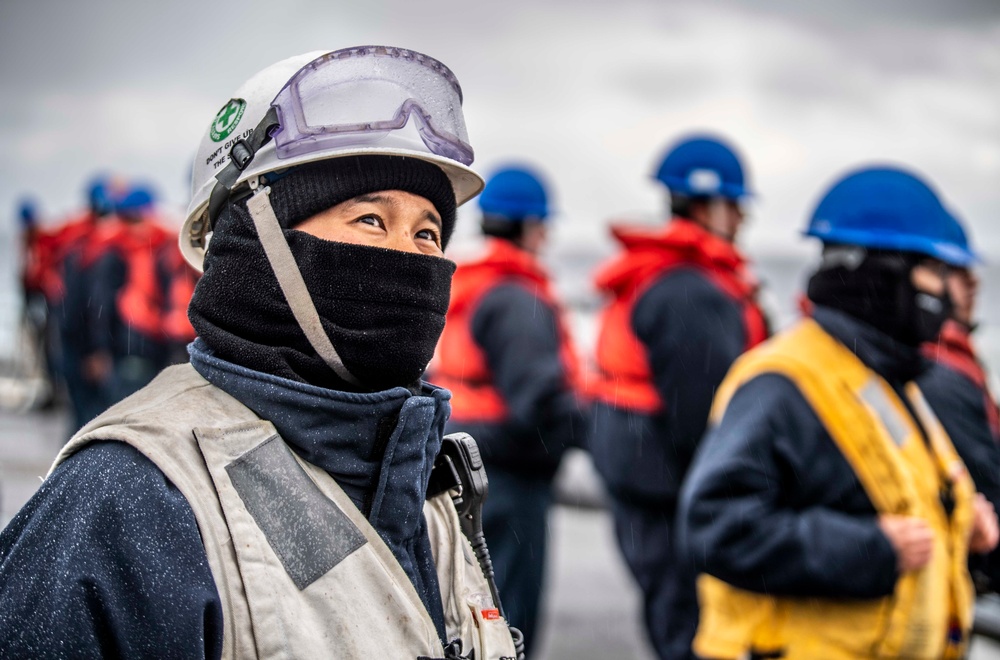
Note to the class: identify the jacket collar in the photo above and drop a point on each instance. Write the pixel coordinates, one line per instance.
(681, 242)
(894, 361)
(955, 337)
(954, 350)
(502, 260)
(378, 446)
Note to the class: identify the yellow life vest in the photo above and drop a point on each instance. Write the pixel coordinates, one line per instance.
(929, 614)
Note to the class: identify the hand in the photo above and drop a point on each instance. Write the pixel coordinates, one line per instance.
(985, 531)
(911, 538)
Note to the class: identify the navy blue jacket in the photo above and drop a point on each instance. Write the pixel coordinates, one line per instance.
(693, 332)
(76, 308)
(960, 404)
(771, 505)
(519, 335)
(106, 559)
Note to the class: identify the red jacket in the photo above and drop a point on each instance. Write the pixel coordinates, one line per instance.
(460, 364)
(624, 376)
(39, 268)
(953, 349)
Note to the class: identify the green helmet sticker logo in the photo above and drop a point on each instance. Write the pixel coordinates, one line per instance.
(227, 119)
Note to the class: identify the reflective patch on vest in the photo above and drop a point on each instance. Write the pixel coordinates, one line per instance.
(923, 409)
(873, 394)
(307, 531)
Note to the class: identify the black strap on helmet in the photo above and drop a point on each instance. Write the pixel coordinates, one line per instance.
(240, 156)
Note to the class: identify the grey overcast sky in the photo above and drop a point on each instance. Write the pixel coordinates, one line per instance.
(591, 91)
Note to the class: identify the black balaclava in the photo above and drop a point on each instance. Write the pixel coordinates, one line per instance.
(875, 286)
(382, 309)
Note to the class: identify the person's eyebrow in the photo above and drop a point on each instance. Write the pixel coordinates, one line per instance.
(432, 217)
(376, 198)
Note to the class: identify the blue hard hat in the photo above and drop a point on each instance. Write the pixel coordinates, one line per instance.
(98, 195)
(515, 193)
(27, 212)
(890, 208)
(703, 166)
(135, 201)
(960, 238)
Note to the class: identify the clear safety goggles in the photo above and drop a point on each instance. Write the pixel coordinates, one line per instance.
(358, 96)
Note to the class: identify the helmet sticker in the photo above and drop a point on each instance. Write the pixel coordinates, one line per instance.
(704, 181)
(227, 119)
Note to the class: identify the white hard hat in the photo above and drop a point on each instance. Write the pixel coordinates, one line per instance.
(369, 100)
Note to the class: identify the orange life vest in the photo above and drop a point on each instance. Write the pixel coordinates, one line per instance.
(140, 300)
(182, 279)
(953, 349)
(460, 364)
(624, 377)
(72, 237)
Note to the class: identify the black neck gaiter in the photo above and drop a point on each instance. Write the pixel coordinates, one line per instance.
(383, 310)
(876, 287)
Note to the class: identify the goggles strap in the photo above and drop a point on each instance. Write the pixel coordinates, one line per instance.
(240, 156)
(279, 255)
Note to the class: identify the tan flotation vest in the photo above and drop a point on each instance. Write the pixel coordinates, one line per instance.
(300, 571)
(929, 615)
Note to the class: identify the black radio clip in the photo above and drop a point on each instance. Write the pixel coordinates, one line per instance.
(459, 470)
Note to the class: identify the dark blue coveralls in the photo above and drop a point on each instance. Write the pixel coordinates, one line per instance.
(693, 332)
(518, 333)
(73, 316)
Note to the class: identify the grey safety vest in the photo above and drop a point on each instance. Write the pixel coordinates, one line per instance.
(300, 571)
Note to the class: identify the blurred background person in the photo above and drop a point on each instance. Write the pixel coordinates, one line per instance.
(683, 309)
(827, 508)
(127, 343)
(36, 254)
(957, 389)
(77, 242)
(509, 361)
(36, 354)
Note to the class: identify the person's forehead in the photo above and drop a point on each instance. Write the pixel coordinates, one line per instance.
(395, 198)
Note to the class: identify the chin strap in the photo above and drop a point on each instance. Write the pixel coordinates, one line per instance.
(279, 255)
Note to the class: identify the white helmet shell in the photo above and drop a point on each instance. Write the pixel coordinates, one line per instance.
(243, 112)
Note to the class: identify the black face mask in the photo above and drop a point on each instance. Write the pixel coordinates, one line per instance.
(929, 314)
(877, 288)
(383, 309)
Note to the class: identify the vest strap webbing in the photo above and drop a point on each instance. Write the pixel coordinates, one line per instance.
(286, 270)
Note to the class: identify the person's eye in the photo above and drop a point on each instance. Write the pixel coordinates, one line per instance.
(430, 235)
(370, 219)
